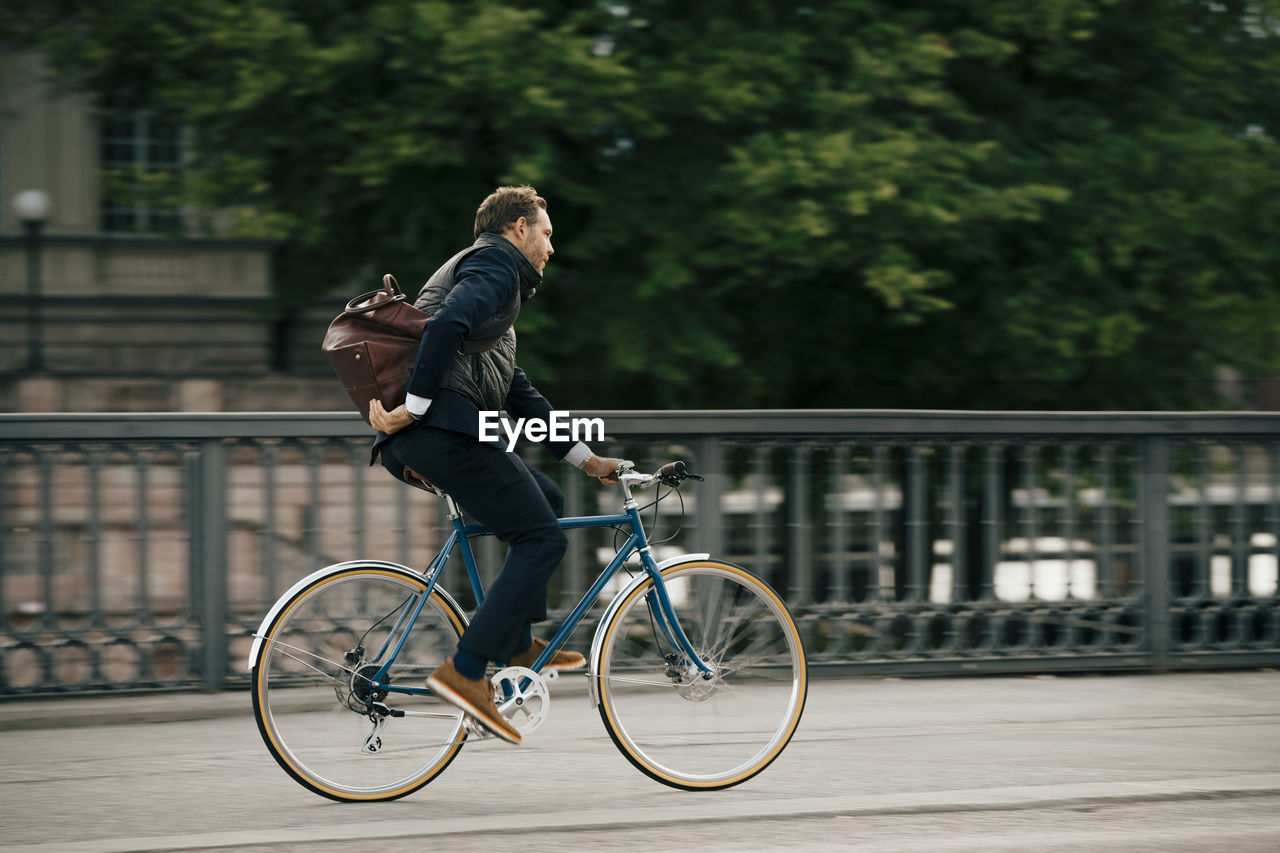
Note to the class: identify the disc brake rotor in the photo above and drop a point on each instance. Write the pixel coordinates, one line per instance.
(690, 681)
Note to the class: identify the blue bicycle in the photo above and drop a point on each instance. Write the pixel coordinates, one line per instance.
(696, 667)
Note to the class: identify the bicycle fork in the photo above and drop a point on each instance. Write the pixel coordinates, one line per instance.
(664, 616)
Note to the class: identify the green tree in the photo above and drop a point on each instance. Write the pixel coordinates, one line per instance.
(942, 203)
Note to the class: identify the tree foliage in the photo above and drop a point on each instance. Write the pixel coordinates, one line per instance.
(856, 203)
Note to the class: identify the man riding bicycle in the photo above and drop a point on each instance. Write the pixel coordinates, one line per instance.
(435, 436)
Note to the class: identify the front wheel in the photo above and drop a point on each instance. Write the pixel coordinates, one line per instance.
(327, 715)
(671, 722)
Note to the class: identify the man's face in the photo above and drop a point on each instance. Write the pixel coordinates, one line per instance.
(535, 242)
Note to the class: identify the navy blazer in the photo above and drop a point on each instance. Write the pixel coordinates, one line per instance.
(485, 282)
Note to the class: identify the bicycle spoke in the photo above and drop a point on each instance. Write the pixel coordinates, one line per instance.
(711, 615)
(341, 667)
(747, 624)
(623, 680)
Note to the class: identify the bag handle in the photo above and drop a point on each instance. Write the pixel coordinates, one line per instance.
(375, 299)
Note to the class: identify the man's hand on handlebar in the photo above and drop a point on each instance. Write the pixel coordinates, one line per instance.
(603, 467)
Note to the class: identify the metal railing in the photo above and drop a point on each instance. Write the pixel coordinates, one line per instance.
(140, 552)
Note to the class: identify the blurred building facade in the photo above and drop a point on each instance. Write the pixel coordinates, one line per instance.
(120, 299)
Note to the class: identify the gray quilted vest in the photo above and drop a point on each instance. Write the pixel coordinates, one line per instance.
(482, 377)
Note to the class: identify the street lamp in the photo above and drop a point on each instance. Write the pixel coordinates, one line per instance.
(32, 207)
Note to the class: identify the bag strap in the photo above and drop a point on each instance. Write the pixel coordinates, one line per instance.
(375, 299)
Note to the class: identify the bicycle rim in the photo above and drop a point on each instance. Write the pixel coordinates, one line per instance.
(678, 727)
(312, 686)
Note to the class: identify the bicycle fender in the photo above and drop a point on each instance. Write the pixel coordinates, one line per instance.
(325, 572)
(597, 642)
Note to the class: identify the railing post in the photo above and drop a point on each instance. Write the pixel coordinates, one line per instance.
(1154, 511)
(44, 543)
(992, 502)
(956, 521)
(799, 552)
(710, 531)
(211, 499)
(917, 523)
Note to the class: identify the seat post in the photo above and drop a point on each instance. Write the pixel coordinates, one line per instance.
(454, 512)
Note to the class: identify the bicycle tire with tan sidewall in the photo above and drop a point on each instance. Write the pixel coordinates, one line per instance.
(669, 721)
(309, 701)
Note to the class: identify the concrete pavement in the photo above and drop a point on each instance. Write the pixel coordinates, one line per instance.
(187, 772)
(119, 710)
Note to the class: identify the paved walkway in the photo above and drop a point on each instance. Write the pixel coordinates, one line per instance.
(187, 772)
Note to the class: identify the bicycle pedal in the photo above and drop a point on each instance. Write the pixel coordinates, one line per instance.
(474, 730)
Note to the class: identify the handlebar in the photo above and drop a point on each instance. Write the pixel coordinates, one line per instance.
(670, 474)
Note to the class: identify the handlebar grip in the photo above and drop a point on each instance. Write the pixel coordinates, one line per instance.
(673, 472)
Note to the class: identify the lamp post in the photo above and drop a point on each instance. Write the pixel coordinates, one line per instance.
(32, 207)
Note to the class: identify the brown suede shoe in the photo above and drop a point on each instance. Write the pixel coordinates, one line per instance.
(475, 697)
(561, 661)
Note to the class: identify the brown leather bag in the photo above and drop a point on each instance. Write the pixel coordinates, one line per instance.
(373, 346)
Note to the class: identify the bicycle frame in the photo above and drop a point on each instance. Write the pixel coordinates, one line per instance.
(658, 599)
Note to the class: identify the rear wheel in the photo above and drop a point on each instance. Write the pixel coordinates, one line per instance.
(326, 716)
(674, 724)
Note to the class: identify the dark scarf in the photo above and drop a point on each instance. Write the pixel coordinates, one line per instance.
(530, 278)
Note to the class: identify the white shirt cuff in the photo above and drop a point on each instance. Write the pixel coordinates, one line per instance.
(416, 405)
(579, 455)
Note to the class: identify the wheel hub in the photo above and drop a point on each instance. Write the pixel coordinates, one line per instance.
(363, 690)
(690, 682)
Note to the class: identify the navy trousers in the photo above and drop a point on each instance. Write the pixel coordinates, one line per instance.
(518, 503)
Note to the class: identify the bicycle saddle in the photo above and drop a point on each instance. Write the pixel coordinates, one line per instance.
(413, 478)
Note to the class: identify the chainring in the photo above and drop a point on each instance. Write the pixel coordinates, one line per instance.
(522, 697)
